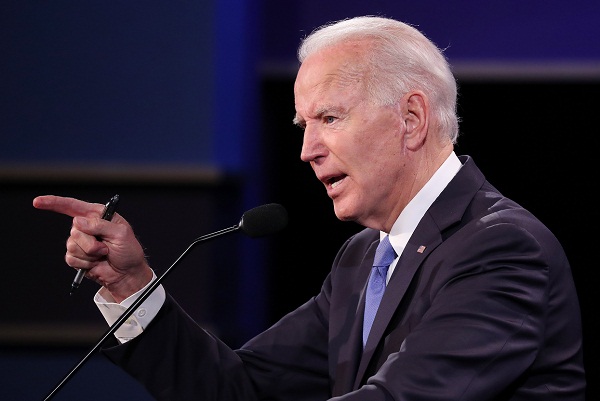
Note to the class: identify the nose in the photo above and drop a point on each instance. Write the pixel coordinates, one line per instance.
(312, 145)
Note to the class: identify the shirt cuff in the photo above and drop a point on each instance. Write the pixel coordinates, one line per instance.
(139, 319)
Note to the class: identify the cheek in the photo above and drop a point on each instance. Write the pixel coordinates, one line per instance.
(383, 136)
(379, 153)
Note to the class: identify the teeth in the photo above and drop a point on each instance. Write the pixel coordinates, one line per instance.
(335, 184)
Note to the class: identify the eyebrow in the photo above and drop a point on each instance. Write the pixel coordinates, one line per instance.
(298, 121)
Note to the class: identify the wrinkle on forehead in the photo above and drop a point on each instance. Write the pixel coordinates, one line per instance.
(345, 75)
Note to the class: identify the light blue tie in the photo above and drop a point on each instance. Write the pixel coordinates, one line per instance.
(384, 256)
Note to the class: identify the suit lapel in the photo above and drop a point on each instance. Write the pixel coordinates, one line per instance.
(423, 241)
(443, 214)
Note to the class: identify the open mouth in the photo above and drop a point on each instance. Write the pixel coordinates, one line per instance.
(335, 181)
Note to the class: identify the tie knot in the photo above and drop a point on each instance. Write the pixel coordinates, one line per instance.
(385, 254)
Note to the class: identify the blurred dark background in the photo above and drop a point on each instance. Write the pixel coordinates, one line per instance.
(184, 108)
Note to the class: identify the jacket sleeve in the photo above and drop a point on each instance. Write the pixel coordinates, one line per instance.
(175, 359)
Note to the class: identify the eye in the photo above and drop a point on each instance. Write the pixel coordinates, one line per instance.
(329, 119)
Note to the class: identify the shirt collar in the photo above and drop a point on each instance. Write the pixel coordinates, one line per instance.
(415, 210)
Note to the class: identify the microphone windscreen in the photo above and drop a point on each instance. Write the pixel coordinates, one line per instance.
(264, 220)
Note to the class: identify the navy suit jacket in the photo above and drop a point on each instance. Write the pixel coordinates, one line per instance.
(481, 306)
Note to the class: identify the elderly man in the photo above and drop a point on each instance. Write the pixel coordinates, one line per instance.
(451, 292)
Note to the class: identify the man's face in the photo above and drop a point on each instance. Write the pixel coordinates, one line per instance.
(354, 146)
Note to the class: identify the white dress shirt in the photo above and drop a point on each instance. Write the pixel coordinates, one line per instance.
(139, 320)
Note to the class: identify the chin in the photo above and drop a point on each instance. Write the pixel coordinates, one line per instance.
(343, 212)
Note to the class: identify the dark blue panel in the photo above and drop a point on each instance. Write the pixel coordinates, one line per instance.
(512, 30)
(127, 81)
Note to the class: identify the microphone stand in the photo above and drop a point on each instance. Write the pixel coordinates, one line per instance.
(136, 304)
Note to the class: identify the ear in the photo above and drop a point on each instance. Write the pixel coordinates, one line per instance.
(415, 112)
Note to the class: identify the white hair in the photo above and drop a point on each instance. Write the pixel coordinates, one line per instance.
(400, 59)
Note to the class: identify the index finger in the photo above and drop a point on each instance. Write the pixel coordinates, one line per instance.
(67, 206)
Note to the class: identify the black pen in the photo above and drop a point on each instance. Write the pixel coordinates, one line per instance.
(107, 214)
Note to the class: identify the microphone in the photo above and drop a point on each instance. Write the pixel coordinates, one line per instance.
(264, 220)
(257, 222)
